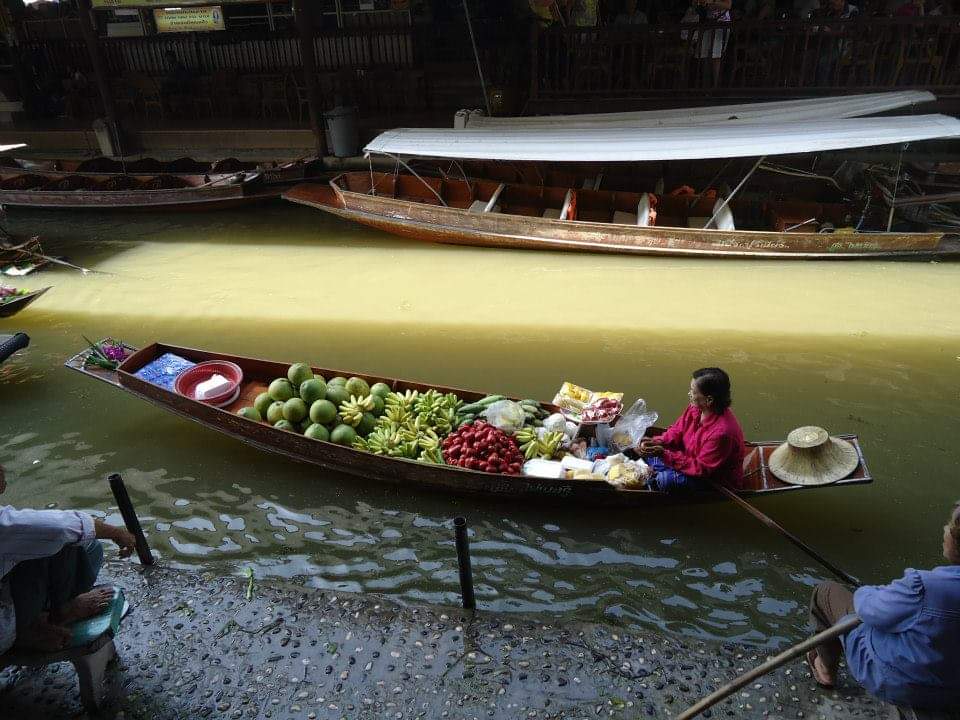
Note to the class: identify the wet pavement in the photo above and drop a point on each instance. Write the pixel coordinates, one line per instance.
(204, 646)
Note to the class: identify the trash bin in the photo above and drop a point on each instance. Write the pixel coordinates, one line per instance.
(105, 138)
(343, 137)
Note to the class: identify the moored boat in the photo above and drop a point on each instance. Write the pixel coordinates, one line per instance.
(490, 213)
(257, 375)
(19, 188)
(13, 304)
(9, 344)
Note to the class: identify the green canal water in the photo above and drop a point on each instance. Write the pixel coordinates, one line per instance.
(869, 348)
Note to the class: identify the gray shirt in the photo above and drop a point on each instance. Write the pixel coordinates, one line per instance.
(28, 535)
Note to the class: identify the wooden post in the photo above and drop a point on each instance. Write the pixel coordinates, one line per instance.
(99, 72)
(306, 29)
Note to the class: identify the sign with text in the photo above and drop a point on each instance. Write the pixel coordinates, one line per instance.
(189, 19)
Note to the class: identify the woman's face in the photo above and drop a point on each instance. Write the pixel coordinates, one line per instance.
(697, 398)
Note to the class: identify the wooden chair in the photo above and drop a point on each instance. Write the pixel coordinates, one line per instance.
(298, 90)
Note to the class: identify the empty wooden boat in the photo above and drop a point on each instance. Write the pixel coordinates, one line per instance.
(257, 374)
(500, 215)
(19, 188)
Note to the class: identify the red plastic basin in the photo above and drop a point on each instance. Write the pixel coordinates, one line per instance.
(187, 381)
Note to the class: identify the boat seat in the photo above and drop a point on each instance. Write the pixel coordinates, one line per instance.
(624, 218)
(724, 215)
(552, 213)
(697, 221)
(480, 206)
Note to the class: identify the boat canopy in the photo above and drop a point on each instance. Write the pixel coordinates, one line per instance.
(822, 108)
(8, 148)
(664, 143)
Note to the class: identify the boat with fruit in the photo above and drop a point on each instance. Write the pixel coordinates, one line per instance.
(13, 301)
(464, 210)
(418, 435)
(106, 191)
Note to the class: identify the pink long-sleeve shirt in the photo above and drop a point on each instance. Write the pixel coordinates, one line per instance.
(711, 449)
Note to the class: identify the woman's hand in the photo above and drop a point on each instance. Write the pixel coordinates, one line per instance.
(649, 448)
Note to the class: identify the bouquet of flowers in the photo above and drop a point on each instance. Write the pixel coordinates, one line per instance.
(107, 354)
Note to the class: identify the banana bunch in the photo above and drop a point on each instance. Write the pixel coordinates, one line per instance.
(533, 412)
(353, 409)
(437, 410)
(397, 414)
(534, 445)
(384, 441)
(434, 457)
(405, 400)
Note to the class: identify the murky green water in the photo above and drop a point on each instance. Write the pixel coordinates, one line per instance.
(869, 348)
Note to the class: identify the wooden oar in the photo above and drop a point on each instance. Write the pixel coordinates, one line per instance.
(841, 628)
(774, 525)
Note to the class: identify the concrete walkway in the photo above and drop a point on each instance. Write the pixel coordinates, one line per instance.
(196, 647)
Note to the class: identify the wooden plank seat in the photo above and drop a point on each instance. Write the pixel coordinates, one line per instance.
(90, 662)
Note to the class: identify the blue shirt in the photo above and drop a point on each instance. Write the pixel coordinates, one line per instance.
(907, 651)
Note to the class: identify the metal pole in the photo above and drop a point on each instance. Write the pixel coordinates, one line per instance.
(463, 561)
(734, 192)
(130, 518)
(476, 56)
(96, 60)
(841, 628)
(306, 29)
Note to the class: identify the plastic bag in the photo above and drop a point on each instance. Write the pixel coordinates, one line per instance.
(505, 415)
(632, 426)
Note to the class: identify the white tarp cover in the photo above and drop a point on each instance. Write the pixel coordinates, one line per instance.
(823, 108)
(665, 143)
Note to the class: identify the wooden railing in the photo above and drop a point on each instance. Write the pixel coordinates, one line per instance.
(764, 57)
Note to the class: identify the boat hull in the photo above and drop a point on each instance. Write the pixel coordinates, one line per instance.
(449, 225)
(409, 473)
(12, 307)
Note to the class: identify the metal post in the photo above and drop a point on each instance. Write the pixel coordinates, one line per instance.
(463, 561)
(476, 56)
(99, 72)
(306, 29)
(130, 518)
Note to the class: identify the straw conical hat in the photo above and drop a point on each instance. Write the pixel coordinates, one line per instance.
(811, 457)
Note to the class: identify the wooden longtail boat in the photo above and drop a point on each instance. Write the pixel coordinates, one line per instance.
(758, 480)
(9, 308)
(272, 173)
(488, 213)
(129, 192)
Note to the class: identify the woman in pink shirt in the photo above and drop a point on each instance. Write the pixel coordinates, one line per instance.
(705, 443)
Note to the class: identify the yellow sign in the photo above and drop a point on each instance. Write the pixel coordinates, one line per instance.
(189, 19)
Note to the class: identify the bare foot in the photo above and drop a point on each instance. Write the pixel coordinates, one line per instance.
(821, 673)
(45, 637)
(84, 606)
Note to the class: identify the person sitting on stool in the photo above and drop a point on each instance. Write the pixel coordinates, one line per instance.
(907, 651)
(49, 562)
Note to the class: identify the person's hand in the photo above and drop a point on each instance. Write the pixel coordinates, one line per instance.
(121, 536)
(648, 448)
(125, 541)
